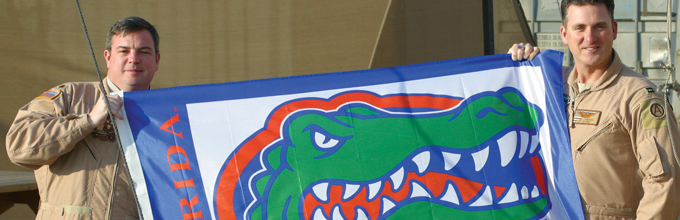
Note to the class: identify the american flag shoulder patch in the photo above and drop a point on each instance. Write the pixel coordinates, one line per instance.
(51, 94)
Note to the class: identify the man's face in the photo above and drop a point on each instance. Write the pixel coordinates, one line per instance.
(590, 33)
(132, 61)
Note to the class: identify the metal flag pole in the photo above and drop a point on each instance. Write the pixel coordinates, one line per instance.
(113, 122)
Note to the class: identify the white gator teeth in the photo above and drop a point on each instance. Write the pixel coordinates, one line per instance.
(511, 196)
(534, 192)
(318, 215)
(534, 143)
(450, 160)
(422, 160)
(361, 215)
(418, 191)
(373, 189)
(397, 178)
(336, 214)
(485, 199)
(321, 191)
(524, 143)
(387, 205)
(507, 146)
(480, 158)
(450, 195)
(525, 192)
(350, 190)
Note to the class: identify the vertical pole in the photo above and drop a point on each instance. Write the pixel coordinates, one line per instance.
(487, 12)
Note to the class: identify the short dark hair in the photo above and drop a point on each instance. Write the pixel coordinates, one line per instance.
(129, 25)
(566, 3)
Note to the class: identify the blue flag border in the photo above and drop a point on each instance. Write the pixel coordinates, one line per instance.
(549, 61)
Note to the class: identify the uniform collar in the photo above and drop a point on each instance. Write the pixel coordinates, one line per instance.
(111, 87)
(605, 80)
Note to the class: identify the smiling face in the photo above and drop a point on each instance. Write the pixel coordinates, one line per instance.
(589, 32)
(132, 60)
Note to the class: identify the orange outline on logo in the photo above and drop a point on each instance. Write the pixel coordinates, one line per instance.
(229, 179)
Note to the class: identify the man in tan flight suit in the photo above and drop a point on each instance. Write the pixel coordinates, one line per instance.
(65, 134)
(620, 138)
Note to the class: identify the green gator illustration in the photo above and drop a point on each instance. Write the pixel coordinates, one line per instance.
(479, 160)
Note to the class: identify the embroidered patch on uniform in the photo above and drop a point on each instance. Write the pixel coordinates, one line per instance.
(587, 117)
(656, 110)
(650, 90)
(51, 94)
(652, 114)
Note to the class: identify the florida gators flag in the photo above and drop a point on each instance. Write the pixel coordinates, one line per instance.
(473, 138)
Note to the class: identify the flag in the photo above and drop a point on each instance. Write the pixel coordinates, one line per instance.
(472, 138)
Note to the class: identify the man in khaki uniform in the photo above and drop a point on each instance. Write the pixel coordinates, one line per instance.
(620, 139)
(65, 134)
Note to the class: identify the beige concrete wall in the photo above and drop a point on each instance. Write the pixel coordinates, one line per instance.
(414, 32)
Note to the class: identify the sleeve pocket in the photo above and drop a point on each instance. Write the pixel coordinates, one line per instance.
(649, 160)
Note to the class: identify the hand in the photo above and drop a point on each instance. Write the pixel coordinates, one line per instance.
(99, 113)
(523, 51)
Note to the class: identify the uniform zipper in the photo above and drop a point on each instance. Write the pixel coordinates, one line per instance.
(594, 136)
(113, 185)
(90, 150)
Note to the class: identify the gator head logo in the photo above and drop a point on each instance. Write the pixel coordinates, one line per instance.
(361, 156)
